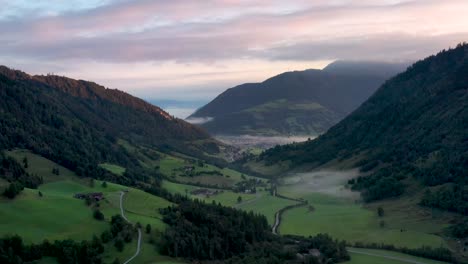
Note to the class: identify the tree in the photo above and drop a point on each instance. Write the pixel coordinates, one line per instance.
(239, 199)
(25, 162)
(119, 244)
(148, 228)
(98, 215)
(380, 212)
(104, 184)
(116, 261)
(106, 236)
(13, 190)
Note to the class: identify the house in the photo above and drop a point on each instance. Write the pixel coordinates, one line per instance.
(96, 196)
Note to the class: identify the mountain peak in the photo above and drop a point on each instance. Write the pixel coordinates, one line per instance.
(365, 67)
(87, 90)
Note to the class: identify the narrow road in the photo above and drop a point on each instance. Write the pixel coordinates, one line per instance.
(139, 230)
(357, 251)
(277, 222)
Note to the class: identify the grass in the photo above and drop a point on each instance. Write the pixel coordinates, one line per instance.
(173, 166)
(267, 205)
(115, 169)
(57, 215)
(53, 216)
(346, 220)
(40, 166)
(357, 258)
(261, 203)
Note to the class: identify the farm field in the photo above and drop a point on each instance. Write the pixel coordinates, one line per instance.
(54, 216)
(177, 166)
(373, 256)
(351, 222)
(338, 212)
(261, 202)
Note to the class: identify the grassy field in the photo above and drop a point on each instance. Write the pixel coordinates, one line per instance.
(116, 169)
(347, 220)
(174, 166)
(40, 166)
(261, 202)
(390, 258)
(57, 215)
(53, 216)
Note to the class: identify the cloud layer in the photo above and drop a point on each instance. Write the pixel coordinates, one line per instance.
(162, 47)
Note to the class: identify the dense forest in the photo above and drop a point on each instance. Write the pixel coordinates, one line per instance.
(78, 124)
(211, 232)
(415, 125)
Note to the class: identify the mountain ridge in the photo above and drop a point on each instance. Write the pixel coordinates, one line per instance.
(80, 124)
(292, 103)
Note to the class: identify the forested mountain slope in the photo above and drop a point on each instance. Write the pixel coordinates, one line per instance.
(79, 123)
(414, 126)
(295, 103)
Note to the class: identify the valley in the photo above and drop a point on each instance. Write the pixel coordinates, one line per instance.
(94, 175)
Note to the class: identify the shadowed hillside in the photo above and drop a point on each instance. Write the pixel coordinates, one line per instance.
(78, 123)
(414, 127)
(295, 103)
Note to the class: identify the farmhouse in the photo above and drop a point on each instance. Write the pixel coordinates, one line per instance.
(189, 169)
(205, 192)
(96, 196)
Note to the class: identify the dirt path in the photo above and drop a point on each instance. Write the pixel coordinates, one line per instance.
(357, 251)
(139, 230)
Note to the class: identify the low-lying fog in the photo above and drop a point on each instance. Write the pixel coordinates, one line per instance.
(262, 142)
(330, 182)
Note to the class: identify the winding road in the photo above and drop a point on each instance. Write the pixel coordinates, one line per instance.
(139, 230)
(277, 223)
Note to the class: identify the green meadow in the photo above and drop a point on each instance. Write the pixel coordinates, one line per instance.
(57, 215)
(115, 169)
(347, 220)
(261, 202)
(173, 166)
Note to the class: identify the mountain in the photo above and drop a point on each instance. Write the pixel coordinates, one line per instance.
(415, 127)
(295, 103)
(80, 124)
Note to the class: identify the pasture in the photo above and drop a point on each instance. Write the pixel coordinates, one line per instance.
(337, 211)
(261, 202)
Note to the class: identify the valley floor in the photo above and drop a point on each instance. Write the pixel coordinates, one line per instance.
(331, 209)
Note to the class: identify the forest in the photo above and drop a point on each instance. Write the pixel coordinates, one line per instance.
(211, 232)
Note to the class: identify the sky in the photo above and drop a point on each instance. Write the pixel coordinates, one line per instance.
(190, 51)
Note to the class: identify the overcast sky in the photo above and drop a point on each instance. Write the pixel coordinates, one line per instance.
(173, 49)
